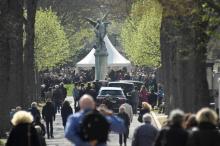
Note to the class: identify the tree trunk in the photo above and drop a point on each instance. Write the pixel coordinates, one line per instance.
(183, 56)
(29, 65)
(11, 58)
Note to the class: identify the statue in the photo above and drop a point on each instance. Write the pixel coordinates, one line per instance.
(101, 54)
(100, 30)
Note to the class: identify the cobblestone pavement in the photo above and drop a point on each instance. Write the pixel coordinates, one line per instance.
(59, 139)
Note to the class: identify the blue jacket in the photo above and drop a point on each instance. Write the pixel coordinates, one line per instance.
(72, 128)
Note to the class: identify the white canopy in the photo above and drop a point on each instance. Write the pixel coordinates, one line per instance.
(115, 59)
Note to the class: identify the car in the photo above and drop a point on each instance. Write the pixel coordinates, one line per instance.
(138, 84)
(112, 97)
(100, 83)
(128, 88)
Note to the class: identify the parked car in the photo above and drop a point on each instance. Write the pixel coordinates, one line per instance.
(112, 97)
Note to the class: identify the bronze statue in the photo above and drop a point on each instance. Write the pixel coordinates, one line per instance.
(100, 29)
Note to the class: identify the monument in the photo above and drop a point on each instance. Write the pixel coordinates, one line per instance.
(101, 53)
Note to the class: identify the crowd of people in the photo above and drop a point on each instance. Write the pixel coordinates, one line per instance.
(91, 125)
(88, 125)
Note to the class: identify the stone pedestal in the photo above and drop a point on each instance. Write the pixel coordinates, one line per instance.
(101, 64)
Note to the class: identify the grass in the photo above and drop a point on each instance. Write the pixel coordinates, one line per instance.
(69, 88)
(2, 143)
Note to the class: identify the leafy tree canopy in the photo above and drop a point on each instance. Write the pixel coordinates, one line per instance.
(51, 43)
(141, 33)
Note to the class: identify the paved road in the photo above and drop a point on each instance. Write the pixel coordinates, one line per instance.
(59, 139)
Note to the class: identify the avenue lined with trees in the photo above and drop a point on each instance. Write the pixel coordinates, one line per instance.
(171, 35)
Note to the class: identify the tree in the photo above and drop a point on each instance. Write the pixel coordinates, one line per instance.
(29, 61)
(185, 32)
(51, 43)
(11, 58)
(141, 33)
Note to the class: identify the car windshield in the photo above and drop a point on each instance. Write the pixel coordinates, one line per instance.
(111, 92)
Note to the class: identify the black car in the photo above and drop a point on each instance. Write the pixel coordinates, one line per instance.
(137, 84)
(128, 88)
(112, 97)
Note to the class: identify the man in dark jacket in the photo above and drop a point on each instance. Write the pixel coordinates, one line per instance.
(145, 135)
(63, 91)
(57, 98)
(34, 111)
(48, 114)
(123, 115)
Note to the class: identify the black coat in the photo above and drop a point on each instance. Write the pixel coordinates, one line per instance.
(126, 119)
(19, 136)
(65, 112)
(142, 112)
(172, 136)
(205, 135)
(34, 112)
(48, 111)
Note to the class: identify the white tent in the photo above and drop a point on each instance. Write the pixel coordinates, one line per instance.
(115, 59)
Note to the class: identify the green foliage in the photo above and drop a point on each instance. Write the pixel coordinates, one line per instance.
(79, 40)
(69, 88)
(141, 33)
(51, 43)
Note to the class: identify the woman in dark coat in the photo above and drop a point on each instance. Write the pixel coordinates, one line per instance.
(23, 133)
(66, 110)
(206, 134)
(123, 115)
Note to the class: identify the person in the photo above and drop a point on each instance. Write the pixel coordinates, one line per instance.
(76, 95)
(135, 99)
(49, 93)
(92, 92)
(190, 122)
(206, 134)
(146, 108)
(152, 99)
(128, 110)
(88, 88)
(123, 115)
(173, 134)
(38, 123)
(23, 132)
(41, 136)
(66, 110)
(57, 98)
(34, 111)
(145, 135)
(48, 114)
(82, 90)
(87, 103)
(143, 94)
(63, 91)
(94, 128)
(160, 95)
